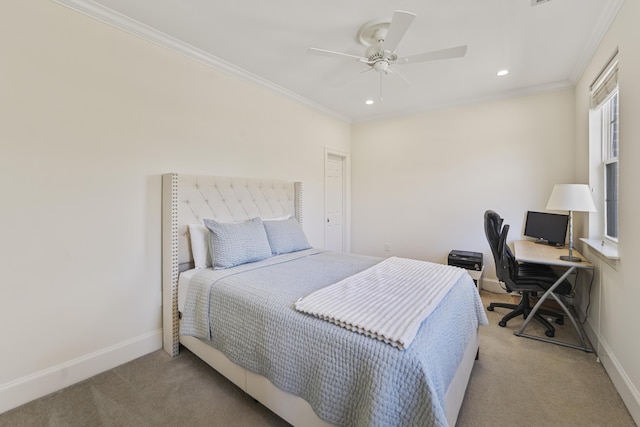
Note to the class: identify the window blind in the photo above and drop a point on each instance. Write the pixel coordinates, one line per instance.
(605, 83)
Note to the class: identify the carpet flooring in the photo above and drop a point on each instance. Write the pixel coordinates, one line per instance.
(516, 381)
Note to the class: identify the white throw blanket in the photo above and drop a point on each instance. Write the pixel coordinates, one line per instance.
(388, 301)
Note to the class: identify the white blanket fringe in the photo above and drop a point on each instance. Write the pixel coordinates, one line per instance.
(388, 301)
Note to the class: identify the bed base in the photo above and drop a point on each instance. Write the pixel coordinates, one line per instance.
(295, 410)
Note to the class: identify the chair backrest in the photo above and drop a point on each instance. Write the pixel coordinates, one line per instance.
(492, 228)
(505, 261)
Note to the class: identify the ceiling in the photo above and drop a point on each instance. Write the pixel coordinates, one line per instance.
(544, 46)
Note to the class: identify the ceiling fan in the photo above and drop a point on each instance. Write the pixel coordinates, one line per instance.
(381, 39)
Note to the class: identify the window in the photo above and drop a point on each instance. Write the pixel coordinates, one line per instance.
(610, 161)
(604, 148)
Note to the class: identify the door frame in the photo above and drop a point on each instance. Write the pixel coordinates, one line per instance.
(346, 195)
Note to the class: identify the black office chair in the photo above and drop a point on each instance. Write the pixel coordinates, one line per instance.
(525, 278)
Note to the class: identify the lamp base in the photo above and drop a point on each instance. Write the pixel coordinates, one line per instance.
(570, 258)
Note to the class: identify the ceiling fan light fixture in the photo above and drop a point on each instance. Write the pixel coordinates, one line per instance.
(381, 66)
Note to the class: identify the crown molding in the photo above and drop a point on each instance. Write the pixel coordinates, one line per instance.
(122, 22)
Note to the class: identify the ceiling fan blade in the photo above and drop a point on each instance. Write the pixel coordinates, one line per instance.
(399, 25)
(399, 74)
(452, 52)
(324, 52)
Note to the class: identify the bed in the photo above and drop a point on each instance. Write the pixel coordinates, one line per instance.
(307, 370)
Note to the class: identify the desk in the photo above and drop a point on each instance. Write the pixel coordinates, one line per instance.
(528, 251)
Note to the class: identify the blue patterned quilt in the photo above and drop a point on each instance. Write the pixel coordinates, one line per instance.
(247, 313)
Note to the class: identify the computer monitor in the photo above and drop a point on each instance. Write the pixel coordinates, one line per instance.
(546, 227)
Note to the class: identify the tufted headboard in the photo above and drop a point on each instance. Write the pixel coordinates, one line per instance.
(188, 199)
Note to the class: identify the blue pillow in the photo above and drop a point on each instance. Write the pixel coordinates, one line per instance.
(236, 244)
(285, 236)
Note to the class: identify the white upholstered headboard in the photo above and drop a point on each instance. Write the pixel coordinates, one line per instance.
(188, 199)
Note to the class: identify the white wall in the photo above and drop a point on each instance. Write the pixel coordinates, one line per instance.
(422, 183)
(90, 117)
(613, 315)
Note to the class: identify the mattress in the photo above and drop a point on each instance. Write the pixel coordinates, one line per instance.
(348, 379)
(183, 285)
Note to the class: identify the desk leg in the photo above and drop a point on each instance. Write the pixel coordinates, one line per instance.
(564, 308)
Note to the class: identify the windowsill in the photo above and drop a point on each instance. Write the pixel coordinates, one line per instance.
(607, 250)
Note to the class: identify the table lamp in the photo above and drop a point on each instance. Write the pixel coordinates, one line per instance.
(571, 197)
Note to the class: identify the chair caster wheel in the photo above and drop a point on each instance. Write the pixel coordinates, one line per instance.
(550, 334)
(502, 323)
(490, 308)
(560, 321)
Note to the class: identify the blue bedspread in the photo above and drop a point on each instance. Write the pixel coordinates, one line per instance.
(349, 379)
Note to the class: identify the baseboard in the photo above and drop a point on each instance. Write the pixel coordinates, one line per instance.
(492, 285)
(41, 383)
(621, 381)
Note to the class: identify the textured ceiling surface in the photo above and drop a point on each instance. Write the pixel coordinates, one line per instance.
(544, 46)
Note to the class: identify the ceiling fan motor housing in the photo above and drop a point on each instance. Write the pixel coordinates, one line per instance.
(374, 53)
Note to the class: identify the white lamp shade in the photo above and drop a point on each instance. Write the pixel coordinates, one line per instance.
(571, 197)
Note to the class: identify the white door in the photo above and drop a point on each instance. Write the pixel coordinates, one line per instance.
(334, 203)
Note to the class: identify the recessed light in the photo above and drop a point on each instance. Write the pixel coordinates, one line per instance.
(369, 102)
(502, 73)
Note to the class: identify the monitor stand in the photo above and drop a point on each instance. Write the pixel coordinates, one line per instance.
(545, 242)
